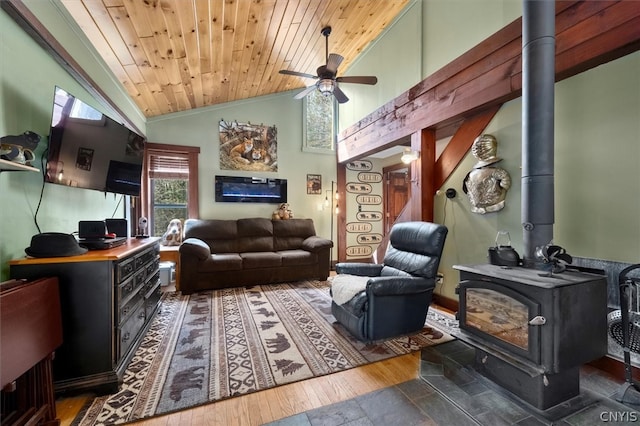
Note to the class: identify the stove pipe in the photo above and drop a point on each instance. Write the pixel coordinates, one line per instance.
(538, 78)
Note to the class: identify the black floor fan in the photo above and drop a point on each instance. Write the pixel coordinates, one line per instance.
(629, 392)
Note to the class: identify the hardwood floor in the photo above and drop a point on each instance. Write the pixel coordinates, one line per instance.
(279, 402)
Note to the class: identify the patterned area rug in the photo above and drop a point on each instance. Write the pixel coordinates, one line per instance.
(214, 345)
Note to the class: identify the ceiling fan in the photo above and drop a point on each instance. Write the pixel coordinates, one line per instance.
(327, 82)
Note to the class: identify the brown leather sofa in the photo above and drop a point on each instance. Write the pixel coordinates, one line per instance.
(221, 253)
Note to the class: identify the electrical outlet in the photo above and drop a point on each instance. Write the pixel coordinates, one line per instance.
(439, 278)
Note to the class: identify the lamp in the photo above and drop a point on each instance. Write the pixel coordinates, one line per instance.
(409, 156)
(325, 86)
(55, 170)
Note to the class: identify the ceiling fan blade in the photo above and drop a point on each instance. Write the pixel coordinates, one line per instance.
(358, 79)
(333, 62)
(339, 94)
(298, 74)
(305, 92)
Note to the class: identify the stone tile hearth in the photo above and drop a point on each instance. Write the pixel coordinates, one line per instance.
(450, 392)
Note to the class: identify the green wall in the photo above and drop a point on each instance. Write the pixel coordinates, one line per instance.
(394, 58)
(200, 128)
(425, 37)
(451, 27)
(597, 174)
(28, 76)
(57, 20)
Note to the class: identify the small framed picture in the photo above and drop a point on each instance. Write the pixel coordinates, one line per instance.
(84, 159)
(314, 184)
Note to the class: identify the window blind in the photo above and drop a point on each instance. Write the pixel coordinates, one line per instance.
(164, 165)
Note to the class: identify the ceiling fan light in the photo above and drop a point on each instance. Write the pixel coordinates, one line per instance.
(325, 86)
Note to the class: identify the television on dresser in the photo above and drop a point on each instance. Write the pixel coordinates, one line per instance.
(88, 149)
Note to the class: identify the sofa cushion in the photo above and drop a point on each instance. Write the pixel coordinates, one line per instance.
(222, 262)
(298, 257)
(315, 243)
(289, 234)
(195, 247)
(221, 235)
(268, 259)
(255, 235)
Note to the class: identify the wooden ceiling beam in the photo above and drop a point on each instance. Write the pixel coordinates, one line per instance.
(490, 74)
(459, 145)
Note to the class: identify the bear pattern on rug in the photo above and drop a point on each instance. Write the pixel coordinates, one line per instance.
(218, 344)
(189, 372)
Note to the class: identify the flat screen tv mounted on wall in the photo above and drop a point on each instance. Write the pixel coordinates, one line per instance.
(238, 189)
(90, 150)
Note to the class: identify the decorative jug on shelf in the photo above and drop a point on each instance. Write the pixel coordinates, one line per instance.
(17, 153)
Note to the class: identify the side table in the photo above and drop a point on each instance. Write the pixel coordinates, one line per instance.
(172, 254)
(30, 332)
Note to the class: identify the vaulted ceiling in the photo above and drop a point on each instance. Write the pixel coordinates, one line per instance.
(175, 55)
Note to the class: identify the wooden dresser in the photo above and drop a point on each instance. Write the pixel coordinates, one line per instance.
(108, 298)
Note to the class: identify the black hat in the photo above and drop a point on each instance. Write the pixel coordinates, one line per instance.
(54, 244)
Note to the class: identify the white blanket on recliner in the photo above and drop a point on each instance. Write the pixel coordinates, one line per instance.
(345, 286)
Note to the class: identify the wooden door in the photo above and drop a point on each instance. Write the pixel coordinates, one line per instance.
(397, 191)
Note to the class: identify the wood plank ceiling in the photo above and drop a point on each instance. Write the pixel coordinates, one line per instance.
(176, 55)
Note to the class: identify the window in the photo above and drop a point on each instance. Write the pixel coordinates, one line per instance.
(84, 112)
(171, 185)
(319, 123)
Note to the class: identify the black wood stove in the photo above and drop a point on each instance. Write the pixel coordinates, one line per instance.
(532, 331)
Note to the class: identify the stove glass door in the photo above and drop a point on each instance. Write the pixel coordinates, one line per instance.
(500, 315)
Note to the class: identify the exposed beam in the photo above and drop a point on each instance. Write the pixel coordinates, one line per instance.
(587, 34)
(460, 144)
(422, 175)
